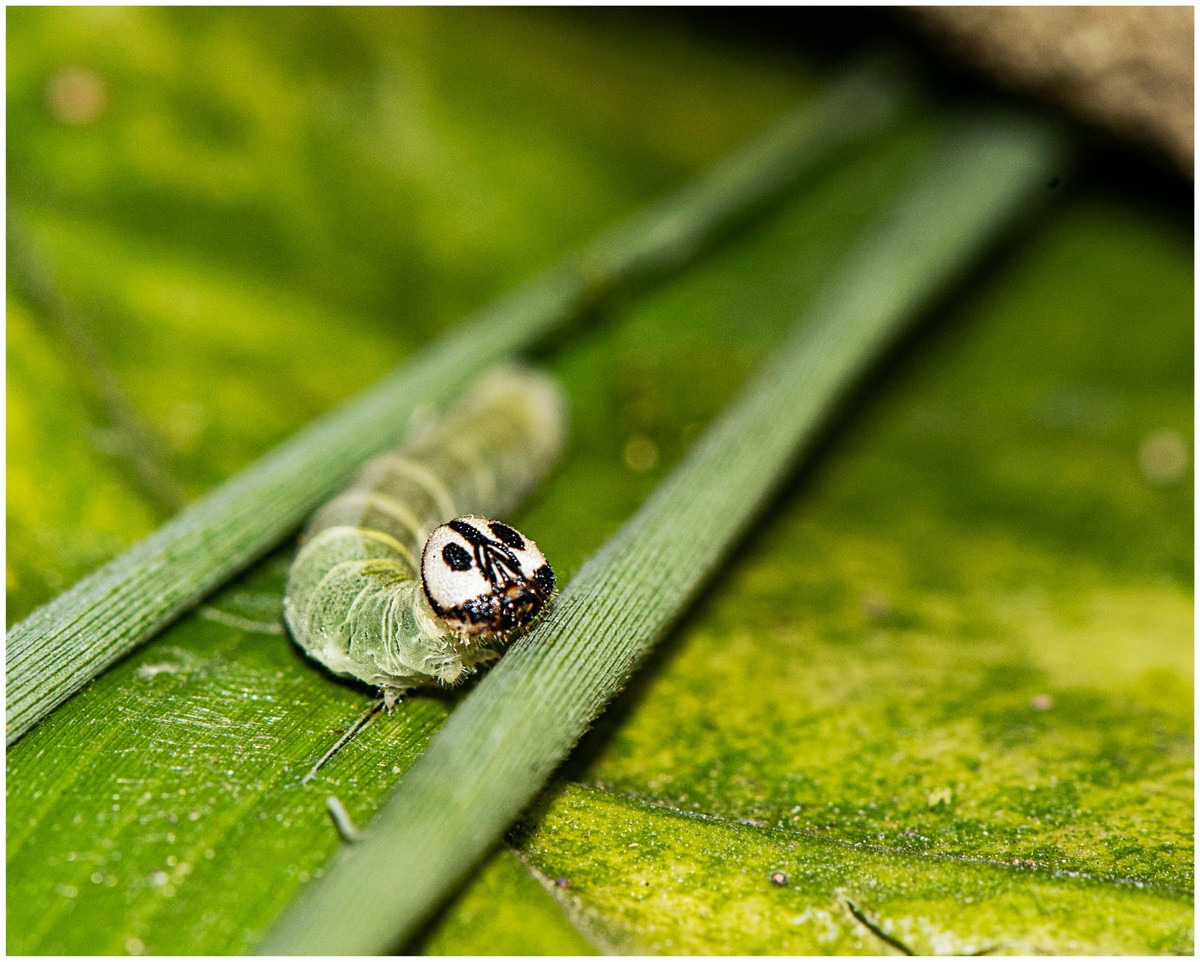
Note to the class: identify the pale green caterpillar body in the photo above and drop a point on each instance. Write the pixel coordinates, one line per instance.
(402, 581)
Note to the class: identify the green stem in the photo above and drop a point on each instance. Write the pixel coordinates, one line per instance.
(66, 643)
(504, 741)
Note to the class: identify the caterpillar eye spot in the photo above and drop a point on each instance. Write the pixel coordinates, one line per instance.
(507, 535)
(456, 557)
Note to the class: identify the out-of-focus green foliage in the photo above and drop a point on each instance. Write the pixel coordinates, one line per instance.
(956, 662)
(269, 209)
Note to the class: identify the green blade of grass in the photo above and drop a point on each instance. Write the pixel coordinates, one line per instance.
(66, 643)
(497, 750)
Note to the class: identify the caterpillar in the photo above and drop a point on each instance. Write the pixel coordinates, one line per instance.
(402, 580)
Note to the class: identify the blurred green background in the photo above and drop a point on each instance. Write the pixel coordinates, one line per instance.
(949, 678)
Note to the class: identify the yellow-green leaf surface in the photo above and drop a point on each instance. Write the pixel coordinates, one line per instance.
(948, 680)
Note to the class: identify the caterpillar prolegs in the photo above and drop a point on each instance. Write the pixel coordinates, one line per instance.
(402, 581)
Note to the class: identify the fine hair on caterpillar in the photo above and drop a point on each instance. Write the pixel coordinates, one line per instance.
(403, 580)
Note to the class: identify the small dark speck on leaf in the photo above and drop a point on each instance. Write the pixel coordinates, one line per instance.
(562, 882)
(779, 879)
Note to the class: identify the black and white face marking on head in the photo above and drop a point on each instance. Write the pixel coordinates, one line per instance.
(484, 577)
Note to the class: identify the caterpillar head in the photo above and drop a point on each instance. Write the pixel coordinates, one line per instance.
(484, 578)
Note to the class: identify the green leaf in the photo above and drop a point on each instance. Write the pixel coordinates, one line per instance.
(976, 589)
